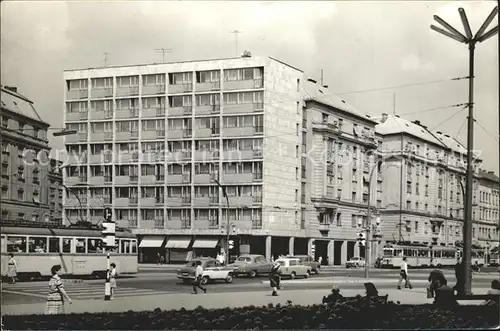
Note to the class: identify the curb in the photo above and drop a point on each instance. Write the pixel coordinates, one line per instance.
(347, 281)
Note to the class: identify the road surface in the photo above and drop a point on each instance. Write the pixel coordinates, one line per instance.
(152, 283)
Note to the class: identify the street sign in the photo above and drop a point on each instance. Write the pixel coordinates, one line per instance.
(108, 214)
(231, 244)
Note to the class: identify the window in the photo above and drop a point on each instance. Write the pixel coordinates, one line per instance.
(408, 188)
(54, 245)
(81, 246)
(94, 245)
(37, 245)
(16, 244)
(66, 245)
(134, 246)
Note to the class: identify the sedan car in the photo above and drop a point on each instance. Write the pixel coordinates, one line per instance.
(308, 261)
(292, 268)
(212, 271)
(355, 262)
(251, 265)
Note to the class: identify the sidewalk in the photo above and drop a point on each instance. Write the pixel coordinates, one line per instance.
(214, 300)
(345, 280)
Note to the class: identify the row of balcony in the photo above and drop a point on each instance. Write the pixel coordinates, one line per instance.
(185, 133)
(160, 179)
(174, 201)
(153, 157)
(159, 89)
(160, 112)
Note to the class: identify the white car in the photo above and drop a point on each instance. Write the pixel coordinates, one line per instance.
(293, 267)
(212, 271)
(355, 262)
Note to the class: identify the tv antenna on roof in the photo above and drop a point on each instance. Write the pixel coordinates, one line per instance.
(106, 59)
(163, 51)
(236, 32)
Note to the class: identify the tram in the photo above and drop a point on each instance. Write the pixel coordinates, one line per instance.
(80, 252)
(424, 256)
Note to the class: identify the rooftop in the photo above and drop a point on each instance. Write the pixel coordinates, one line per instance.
(17, 103)
(490, 175)
(394, 124)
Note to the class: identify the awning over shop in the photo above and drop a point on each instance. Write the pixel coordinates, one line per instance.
(179, 242)
(205, 243)
(152, 241)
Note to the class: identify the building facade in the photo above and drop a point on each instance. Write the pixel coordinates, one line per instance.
(26, 166)
(486, 233)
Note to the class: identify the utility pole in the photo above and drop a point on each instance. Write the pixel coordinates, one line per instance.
(236, 32)
(394, 103)
(471, 41)
(106, 59)
(163, 51)
(322, 78)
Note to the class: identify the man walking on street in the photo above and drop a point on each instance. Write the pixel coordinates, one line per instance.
(403, 274)
(197, 278)
(459, 286)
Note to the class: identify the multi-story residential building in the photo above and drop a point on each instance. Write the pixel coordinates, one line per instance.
(486, 233)
(26, 174)
(424, 186)
(55, 190)
(338, 153)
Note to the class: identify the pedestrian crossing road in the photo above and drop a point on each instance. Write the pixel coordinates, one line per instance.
(81, 290)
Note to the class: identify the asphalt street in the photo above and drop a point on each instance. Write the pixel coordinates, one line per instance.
(152, 283)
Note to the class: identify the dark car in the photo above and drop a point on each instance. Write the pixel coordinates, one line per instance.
(308, 261)
(251, 265)
(212, 271)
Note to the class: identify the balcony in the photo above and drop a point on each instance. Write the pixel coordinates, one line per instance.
(201, 201)
(101, 136)
(180, 88)
(204, 179)
(122, 202)
(96, 180)
(71, 203)
(96, 158)
(179, 179)
(242, 155)
(206, 223)
(148, 202)
(206, 87)
(122, 91)
(97, 93)
(148, 179)
(244, 131)
(206, 155)
(180, 111)
(333, 128)
(178, 201)
(152, 156)
(244, 84)
(76, 159)
(153, 134)
(243, 108)
(256, 224)
(122, 113)
(76, 138)
(242, 178)
(126, 180)
(77, 94)
(206, 132)
(153, 112)
(71, 181)
(207, 110)
(127, 135)
(101, 114)
(77, 116)
(153, 89)
(241, 201)
(127, 157)
(179, 133)
(178, 156)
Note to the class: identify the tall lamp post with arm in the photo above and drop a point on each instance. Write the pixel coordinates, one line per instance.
(470, 40)
(228, 226)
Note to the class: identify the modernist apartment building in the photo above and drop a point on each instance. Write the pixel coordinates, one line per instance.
(424, 174)
(30, 186)
(154, 140)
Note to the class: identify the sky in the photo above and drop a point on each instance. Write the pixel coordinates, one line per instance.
(359, 45)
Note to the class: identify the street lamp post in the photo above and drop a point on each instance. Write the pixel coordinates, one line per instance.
(228, 226)
(471, 41)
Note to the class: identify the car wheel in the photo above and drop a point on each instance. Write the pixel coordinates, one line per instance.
(357, 265)
(317, 271)
(253, 274)
(204, 280)
(308, 273)
(229, 279)
(292, 275)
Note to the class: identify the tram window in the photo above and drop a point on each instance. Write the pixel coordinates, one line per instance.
(448, 254)
(423, 253)
(37, 244)
(54, 245)
(67, 245)
(16, 244)
(398, 252)
(437, 254)
(125, 246)
(134, 246)
(387, 252)
(94, 245)
(80, 246)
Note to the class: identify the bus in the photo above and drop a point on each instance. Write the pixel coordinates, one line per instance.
(425, 256)
(80, 252)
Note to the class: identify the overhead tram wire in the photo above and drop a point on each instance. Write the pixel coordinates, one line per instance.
(447, 119)
(433, 109)
(484, 129)
(461, 128)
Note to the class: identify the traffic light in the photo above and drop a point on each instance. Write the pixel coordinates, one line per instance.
(108, 234)
(231, 244)
(108, 214)
(361, 238)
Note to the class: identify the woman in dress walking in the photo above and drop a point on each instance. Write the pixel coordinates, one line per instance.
(275, 278)
(57, 293)
(112, 279)
(12, 269)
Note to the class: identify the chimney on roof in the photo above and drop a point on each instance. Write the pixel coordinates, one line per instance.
(424, 126)
(246, 54)
(439, 132)
(384, 117)
(416, 122)
(325, 86)
(397, 116)
(447, 135)
(312, 80)
(491, 172)
(11, 88)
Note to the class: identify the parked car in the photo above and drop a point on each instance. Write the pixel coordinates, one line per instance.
(308, 261)
(250, 265)
(212, 271)
(293, 267)
(355, 262)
